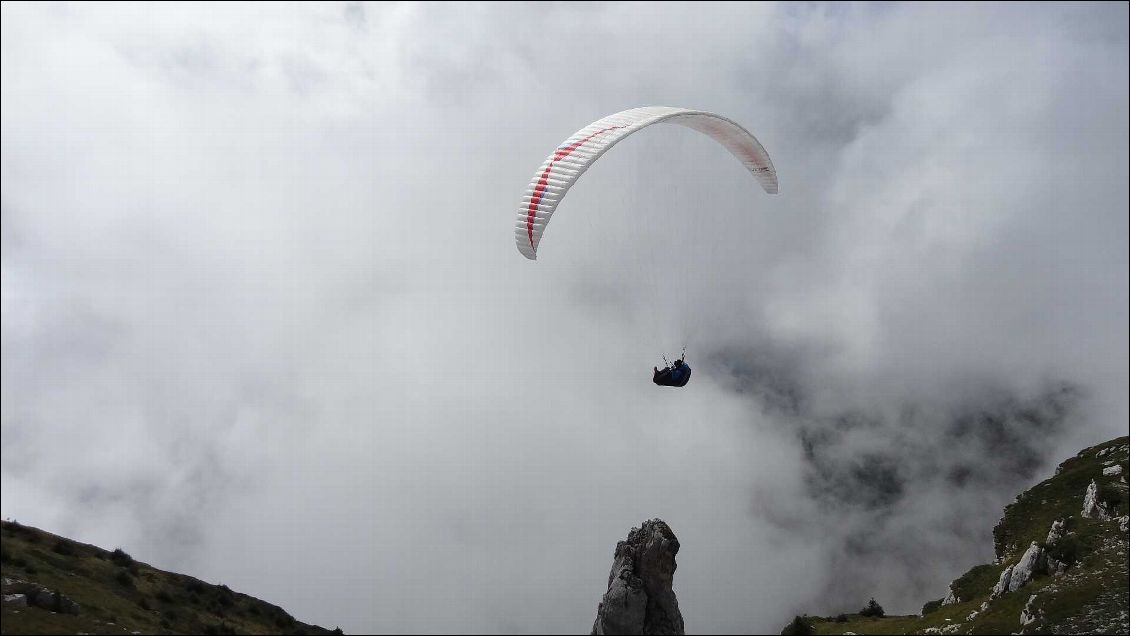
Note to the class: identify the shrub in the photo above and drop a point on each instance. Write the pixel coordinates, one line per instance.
(194, 586)
(119, 557)
(164, 596)
(1065, 550)
(1110, 498)
(841, 618)
(873, 610)
(143, 603)
(225, 596)
(799, 627)
(931, 606)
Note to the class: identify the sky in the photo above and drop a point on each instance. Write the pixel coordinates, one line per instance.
(264, 321)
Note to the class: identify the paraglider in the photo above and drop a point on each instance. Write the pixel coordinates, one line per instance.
(676, 374)
(577, 154)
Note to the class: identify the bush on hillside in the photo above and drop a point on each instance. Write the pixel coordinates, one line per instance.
(873, 610)
(799, 627)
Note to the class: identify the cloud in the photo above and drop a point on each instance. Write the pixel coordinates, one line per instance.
(264, 323)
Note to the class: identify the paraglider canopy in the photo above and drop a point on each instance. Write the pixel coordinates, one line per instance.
(576, 154)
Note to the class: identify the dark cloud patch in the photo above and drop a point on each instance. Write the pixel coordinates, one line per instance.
(770, 375)
(901, 484)
(869, 481)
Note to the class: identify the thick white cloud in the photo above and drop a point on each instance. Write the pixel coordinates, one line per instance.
(264, 322)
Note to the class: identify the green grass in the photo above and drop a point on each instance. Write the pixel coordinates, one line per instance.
(973, 583)
(118, 595)
(863, 625)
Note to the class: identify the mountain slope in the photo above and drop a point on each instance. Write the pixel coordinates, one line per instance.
(53, 585)
(1061, 564)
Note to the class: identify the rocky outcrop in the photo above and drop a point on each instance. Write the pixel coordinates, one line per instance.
(1002, 584)
(1112, 471)
(1055, 533)
(950, 598)
(1029, 615)
(1092, 507)
(1033, 562)
(18, 592)
(1016, 576)
(640, 598)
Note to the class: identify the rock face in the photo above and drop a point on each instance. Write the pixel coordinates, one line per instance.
(639, 598)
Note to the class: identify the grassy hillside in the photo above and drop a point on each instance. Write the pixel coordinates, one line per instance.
(117, 595)
(1091, 596)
